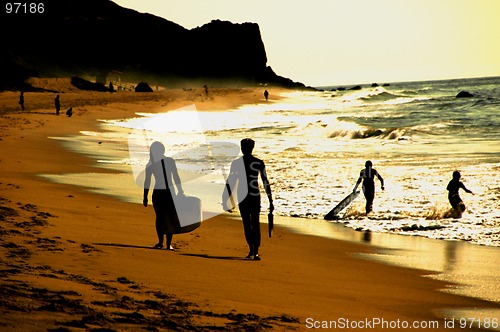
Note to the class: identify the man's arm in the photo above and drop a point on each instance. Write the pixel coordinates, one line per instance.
(358, 183)
(267, 187)
(227, 193)
(466, 190)
(381, 180)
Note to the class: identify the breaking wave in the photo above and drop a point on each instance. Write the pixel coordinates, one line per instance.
(379, 95)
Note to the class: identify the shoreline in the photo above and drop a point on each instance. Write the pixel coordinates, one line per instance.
(74, 237)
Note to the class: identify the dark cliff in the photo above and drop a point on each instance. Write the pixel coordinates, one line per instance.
(82, 37)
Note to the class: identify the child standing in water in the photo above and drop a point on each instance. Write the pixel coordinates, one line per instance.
(453, 196)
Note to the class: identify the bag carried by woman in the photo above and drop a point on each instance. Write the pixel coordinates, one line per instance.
(183, 213)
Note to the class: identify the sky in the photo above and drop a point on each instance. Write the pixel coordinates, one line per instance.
(335, 42)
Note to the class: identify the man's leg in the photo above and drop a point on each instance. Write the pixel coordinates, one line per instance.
(247, 226)
(369, 195)
(255, 221)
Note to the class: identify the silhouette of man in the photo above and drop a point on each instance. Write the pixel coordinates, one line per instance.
(57, 104)
(245, 173)
(367, 175)
(163, 203)
(21, 100)
(453, 187)
(266, 94)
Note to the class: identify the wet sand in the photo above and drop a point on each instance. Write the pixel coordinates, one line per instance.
(74, 260)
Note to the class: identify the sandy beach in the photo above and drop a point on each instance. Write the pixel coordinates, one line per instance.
(72, 260)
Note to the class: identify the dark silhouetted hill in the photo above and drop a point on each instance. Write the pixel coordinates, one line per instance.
(96, 37)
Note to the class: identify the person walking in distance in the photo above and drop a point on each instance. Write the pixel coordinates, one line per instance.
(57, 104)
(367, 176)
(244, 174)
(21, 100)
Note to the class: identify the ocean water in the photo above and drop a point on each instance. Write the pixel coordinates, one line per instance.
(315, 144)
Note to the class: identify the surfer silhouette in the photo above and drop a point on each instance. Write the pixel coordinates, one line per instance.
(165, 173)
(244, 173)
(453, 187)
(367, 175)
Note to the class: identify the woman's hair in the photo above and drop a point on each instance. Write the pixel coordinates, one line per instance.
(156, 152)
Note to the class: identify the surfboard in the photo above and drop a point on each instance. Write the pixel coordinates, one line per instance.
(342, 205)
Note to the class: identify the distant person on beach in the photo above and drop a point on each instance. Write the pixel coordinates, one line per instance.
(57, 104)
(206, 89)
(21, 100)
(266, 95)
(453, 187)
(367, 175)
(69, 112)
(245, 171)
(165, 173)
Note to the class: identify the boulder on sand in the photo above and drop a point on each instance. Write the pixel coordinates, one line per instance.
(143, 87)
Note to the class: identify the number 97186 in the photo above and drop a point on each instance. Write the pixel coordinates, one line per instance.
(24, 8)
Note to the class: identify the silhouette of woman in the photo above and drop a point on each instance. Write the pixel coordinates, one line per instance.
(166, 175)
